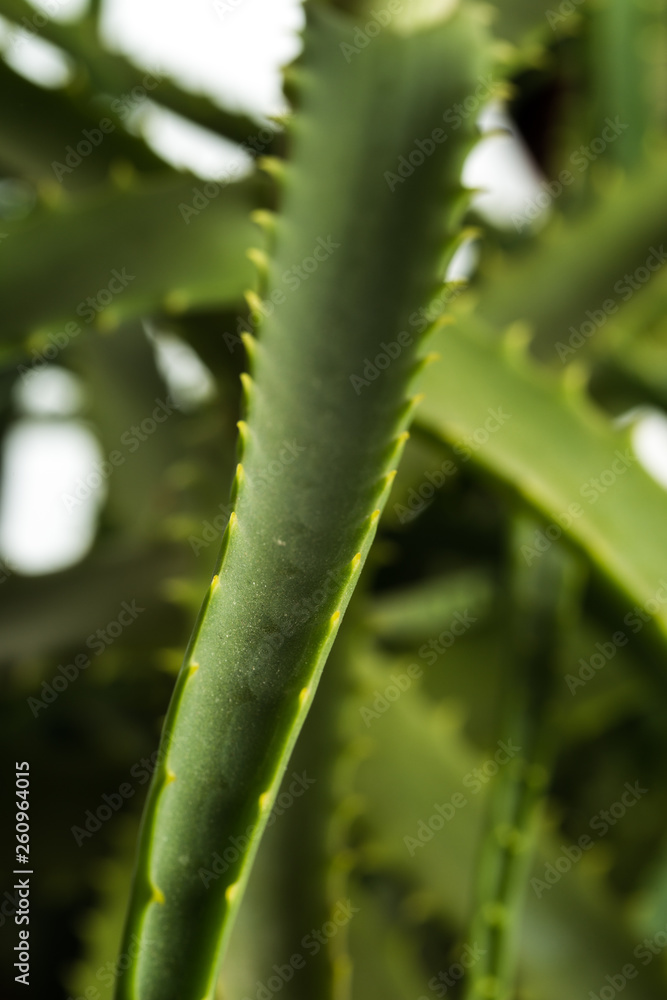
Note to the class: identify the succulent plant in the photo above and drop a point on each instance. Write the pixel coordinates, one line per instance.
(414, 746)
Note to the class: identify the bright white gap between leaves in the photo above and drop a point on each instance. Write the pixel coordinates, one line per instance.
(42, 462)
(189, 381)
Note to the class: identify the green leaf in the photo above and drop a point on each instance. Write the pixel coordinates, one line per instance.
(572, 934)
(319, 450)
(37, 126)
(54, 611)
(580, 265)
(542, 438)
(414, 613)
(118, 254)
(542, 608)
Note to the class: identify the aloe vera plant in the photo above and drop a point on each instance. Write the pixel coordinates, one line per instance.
(430, 557)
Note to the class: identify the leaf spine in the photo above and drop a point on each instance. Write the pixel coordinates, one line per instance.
(264, 219)
(231, 891)
(273, 166)
(304, 695)
(250, 345)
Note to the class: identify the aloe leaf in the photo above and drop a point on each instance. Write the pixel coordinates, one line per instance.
(37, 125)
(395, 972)
(513, 21)
(318, 460)
(525, 21)
(546, 442)
(414, 613)
(628, 354)
(620, 64)
(580, 265)
(102, 925)
(84, 597)
(570, 937)
(304, 880)
(149, 259)
(543, 604)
